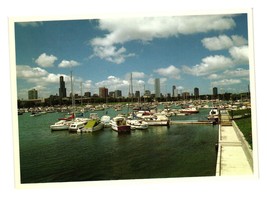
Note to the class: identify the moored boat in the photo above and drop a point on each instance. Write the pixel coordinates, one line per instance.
(119, 124)
(214, 114)
(91, 126)
(60, 125)
(137, 124)
(190, 110)
(156, 119)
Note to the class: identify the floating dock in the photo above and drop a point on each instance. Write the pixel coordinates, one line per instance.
(191, 122)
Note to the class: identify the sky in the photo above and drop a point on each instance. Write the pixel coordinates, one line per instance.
(190, 51)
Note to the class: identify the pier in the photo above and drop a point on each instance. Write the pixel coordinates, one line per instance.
(191, 122)
(234, 154)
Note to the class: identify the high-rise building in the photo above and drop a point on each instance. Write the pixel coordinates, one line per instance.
(215, 92)
(173, 90)
(185, 95)
(62, 88)
(196, 93)
(157, 87)
(137, 94)
(32, 94)
(118, 93)
(103, 92)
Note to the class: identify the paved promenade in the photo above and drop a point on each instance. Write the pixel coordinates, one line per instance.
(234, 155)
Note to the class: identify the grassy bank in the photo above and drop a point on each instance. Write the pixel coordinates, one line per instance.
(244, 124)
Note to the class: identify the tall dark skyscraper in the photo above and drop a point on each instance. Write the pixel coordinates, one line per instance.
(62, 89)
(196, 92)
(215, 92)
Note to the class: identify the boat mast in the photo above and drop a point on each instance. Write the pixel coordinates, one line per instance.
(72, 95)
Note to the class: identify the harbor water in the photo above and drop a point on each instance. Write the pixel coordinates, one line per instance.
(180, 150)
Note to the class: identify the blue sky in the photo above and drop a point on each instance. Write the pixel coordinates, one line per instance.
(186, 51)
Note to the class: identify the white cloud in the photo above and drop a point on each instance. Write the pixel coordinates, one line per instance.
(170, 72)
(226, 82)
(45, 60)
(121, 30)
(68, 64)
(240, 54)
(111, 53)
(223, 42)
(113, 83)
(239, 72)
(209, 65)
(25, 71)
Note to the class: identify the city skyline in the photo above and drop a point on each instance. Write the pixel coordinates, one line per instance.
(183, 51)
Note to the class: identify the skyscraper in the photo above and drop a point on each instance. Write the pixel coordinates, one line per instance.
(103, 92)
(173, 90)
(32, 94)
(215, 92)
(196, 93)
(62, 88)
(157, 87)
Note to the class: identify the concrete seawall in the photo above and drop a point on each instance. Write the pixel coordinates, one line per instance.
(234, 154)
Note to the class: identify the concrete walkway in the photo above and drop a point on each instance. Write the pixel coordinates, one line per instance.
(234, 155)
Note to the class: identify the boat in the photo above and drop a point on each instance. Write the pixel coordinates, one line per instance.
(137, 124)
(119, 124)
(105, 119)
(91, 126)
(60, 125)
(189, 110)
(74, 126)
(214, 115)
(156, 119)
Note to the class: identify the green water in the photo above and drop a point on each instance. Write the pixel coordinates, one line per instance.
(159, 152)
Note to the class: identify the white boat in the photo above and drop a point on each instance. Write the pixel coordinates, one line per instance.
(105, 119)
(119, 124)
(189, 110)
(91, 126)
(60, 125)
(137, 124)
(156, 119)
(214, 114)
(74, 126)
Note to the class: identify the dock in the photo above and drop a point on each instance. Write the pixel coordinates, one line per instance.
(191, 122)
(234, 154)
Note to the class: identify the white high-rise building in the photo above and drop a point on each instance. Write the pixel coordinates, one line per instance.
(157, 87)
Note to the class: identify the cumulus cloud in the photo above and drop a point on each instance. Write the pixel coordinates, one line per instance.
(209, 65)
(45, 60)
(226, 82)
(223, 42)
(25, 71)
(240, 54)
(170, 72)
(122, 30)
(111, 53)
(237, 73)
(113, 83)
(68, 64)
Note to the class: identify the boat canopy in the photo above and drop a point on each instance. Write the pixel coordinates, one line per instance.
(90, 124)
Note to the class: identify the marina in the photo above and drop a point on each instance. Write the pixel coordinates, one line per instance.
(176, 150)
